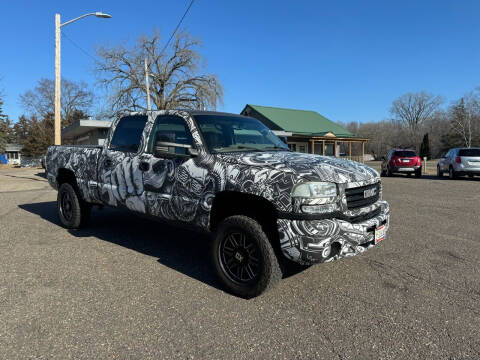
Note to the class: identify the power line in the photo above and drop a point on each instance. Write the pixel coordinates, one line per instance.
(178, 25)
(79, 47)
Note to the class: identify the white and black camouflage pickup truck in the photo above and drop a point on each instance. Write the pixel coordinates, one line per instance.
(265, 205)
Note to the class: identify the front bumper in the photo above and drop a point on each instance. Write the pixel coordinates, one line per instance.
(317, 241)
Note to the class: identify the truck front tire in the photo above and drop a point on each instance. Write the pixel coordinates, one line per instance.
(244, 258)
(72, 210)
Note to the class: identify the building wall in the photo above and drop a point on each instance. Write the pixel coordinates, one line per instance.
(92, 137)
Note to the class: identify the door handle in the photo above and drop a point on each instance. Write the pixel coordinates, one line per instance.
(144, 166)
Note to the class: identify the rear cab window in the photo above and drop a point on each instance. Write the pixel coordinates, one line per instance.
(128, 133)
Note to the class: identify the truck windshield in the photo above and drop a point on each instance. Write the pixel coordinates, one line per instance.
(224, 133)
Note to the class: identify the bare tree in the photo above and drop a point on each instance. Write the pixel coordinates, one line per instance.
(175, 78)
(465, 116)
(75, 97)
(413, 109)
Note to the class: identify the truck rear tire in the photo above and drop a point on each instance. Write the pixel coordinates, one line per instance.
(72, 210)
(244, 258)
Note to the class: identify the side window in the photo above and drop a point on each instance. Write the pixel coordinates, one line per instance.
(171, 129)
(128, 133)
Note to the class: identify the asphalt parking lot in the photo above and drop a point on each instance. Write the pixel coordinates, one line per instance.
(126, 287)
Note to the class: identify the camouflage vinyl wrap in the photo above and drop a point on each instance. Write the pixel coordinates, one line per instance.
(182, 188)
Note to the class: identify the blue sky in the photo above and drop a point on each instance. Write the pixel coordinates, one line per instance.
(348, 60)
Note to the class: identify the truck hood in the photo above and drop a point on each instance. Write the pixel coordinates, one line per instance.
(308, 166)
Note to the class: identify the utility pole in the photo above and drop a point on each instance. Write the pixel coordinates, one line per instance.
(58, 139)
(58, 114)
(147, 85)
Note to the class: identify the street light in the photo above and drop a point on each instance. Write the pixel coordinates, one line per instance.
(58, 25)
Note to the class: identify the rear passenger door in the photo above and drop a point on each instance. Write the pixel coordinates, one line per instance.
(120, 176)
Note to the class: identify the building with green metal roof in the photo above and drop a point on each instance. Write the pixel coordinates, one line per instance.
(307, 131)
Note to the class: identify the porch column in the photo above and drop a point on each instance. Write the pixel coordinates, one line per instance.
(350, 150)
(313, 146)
(323, 147)
(335, 148)
(363, 151)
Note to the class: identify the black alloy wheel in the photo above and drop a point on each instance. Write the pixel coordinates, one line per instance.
(66, 205)
(439, 173)
(239, 257)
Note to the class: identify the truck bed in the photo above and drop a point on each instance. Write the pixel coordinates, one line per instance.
(81, 160)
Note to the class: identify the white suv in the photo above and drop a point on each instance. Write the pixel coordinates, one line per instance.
(460, 161)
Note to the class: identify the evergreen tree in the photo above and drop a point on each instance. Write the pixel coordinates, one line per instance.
(6, 131)
(36, 135)
(425, 147)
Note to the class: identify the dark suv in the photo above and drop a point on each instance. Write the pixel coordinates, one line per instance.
(402, 161)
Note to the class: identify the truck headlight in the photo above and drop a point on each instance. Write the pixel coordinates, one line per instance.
(315, 190)
(323, 197)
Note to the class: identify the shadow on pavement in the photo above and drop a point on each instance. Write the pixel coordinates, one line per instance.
(183, 250)
(24, 177)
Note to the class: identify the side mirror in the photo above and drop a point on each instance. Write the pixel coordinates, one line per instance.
(163, 148)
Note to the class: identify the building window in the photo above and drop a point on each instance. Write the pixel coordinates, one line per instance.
(12, 155)
(298, 146)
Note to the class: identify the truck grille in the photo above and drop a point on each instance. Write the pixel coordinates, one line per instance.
(356, 197)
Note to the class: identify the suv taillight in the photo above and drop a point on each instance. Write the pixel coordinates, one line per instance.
(458, 159)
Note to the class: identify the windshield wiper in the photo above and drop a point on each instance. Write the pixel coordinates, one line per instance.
(276, 148)
(236, 148)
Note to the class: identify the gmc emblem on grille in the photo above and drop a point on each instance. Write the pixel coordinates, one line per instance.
(369, 193)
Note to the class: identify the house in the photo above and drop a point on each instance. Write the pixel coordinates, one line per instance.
(86, 132)
(12, 154)
(308, 131)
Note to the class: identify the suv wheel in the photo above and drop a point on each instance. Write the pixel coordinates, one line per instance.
(72, 210)
(244, 257)
(451, 173)
(439, 173)
(418, 173)
(389, 172)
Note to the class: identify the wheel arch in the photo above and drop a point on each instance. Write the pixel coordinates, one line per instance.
(229, 203)
(65, 175)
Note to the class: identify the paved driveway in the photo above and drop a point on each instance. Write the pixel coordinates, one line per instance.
(129, 288)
